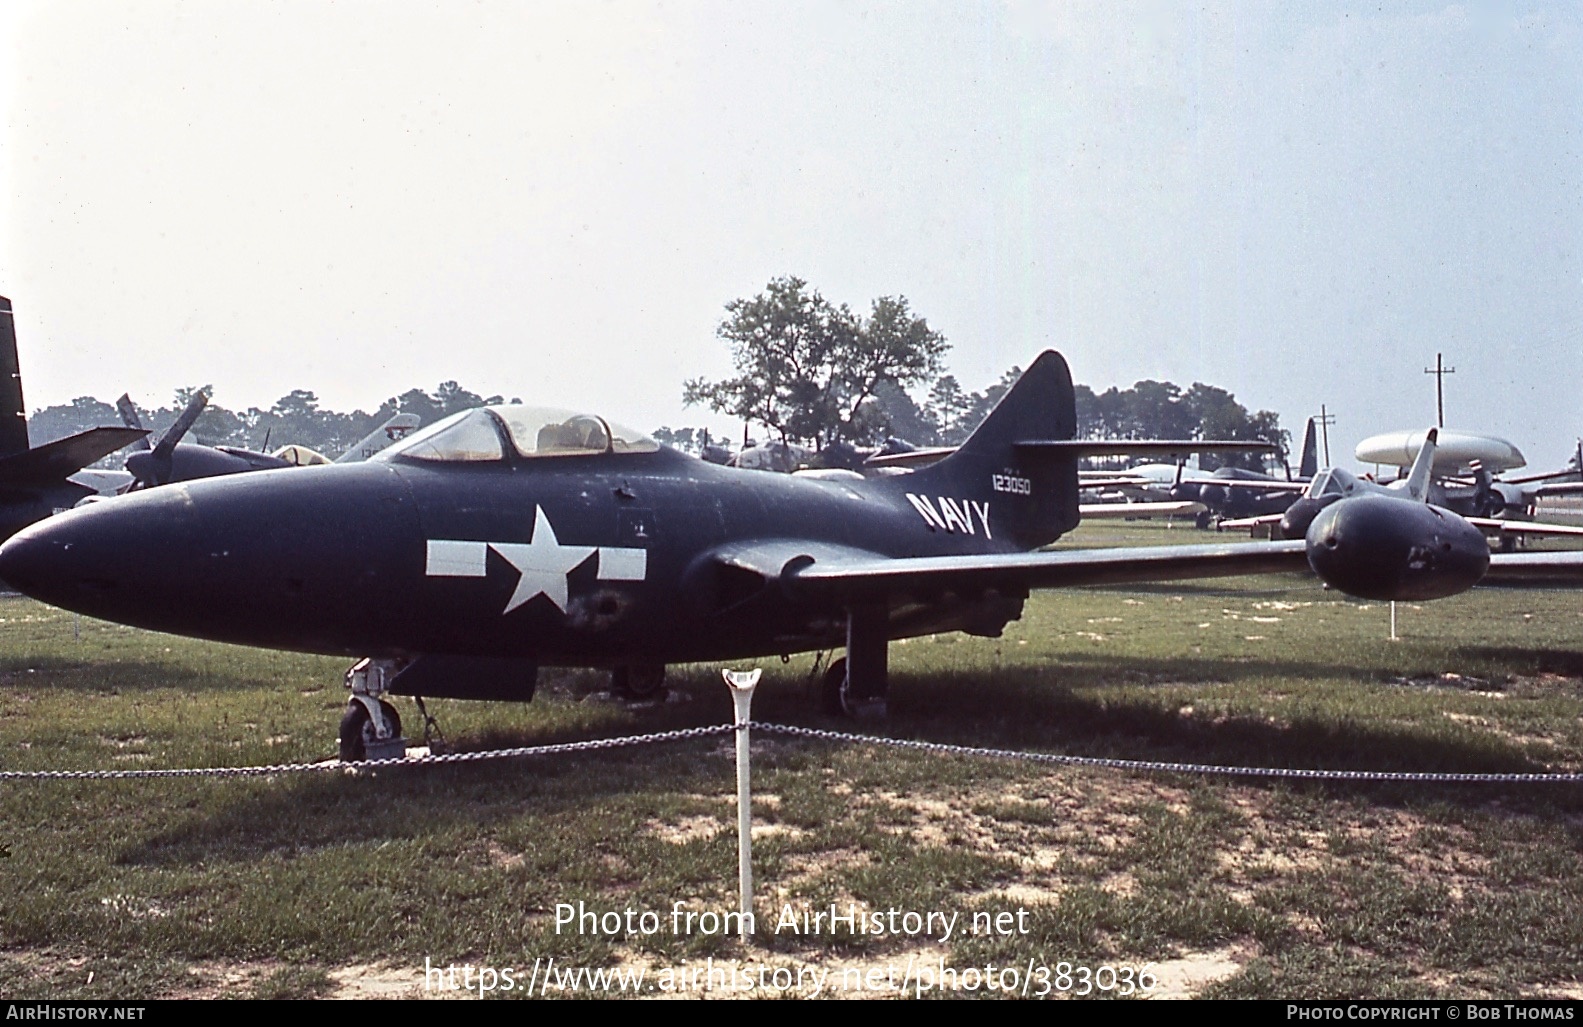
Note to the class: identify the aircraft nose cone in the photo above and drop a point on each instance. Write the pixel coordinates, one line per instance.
(285, 558)
(1298, 517)
(85, 558)
(27, 561)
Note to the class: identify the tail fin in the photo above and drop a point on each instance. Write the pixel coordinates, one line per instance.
(1033, 490)
(1418, 477)
(396, 428)
(1309, 466)
(13, 414)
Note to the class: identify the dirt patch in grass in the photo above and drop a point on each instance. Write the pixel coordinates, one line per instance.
(1186, 976)
(695, 828)
(370, 980)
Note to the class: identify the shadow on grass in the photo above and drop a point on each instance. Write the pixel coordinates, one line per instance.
(295, 817)
(1549, 660)
(1020, 709)
(52, 673)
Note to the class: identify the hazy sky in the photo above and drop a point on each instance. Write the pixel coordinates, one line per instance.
(1301, 203)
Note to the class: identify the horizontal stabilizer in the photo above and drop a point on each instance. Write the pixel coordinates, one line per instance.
(1141, 447)
(54, 461)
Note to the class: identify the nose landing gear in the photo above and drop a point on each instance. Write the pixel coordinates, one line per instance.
(371, 727)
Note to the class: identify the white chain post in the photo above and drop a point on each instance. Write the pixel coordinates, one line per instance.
(742, 684)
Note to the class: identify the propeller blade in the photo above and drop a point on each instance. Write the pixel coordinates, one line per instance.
(128, 411)
(155, 468)
(167, 442)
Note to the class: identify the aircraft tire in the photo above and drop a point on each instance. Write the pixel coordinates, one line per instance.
(641, 683)
(357, 729)
(833, 694)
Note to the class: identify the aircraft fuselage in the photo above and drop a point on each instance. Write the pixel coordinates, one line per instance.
(611, 560)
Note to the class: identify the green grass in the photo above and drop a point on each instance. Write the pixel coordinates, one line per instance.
(304, 885)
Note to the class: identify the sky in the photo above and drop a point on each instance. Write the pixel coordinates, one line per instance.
(1300, 203)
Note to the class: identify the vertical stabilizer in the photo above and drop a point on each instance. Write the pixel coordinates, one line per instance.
(1418, 478)
(1033, 490)
(1309, 466)
(13, 415)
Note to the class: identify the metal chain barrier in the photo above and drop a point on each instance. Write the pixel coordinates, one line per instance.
(1175, 768)
(399, 761)
(797, 732)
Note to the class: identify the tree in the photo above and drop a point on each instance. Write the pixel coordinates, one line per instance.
(806, 368)
(979, 404)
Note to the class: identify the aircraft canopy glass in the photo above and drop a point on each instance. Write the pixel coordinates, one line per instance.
(300, 456)
(475, 435)
(543, 431)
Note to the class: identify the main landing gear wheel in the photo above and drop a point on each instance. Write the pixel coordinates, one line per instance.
(357, 730)
(642, 683)
(839, 700)
(833, 694)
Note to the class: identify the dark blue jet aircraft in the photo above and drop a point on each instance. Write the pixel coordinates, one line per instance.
(502, 539)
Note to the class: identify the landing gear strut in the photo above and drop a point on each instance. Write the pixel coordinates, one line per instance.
(371, 727)
(855, 685)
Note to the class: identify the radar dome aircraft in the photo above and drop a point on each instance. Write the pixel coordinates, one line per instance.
(1465, 467)
(503, 539)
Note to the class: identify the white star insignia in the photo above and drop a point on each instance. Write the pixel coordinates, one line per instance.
(543, 563)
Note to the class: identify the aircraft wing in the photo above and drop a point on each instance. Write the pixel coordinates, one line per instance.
(1085, 448)
(1506, 527)
(1095, 511)
(1559, 569)
(1571, 488)
(1247, 523)
(53, 461)
(912, 458)
(1245, 483)
(842, 575)
(1118, 483)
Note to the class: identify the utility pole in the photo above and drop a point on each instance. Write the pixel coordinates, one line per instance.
(1326, 419)
(1440, 372)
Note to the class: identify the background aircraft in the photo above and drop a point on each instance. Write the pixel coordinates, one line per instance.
(171, 459)
(36, 482)
(1231, 492)
(505, 538)
(1466, 465)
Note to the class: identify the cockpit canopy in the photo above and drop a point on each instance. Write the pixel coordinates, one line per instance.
(300, 456)
(483, 434)
(1334, 481)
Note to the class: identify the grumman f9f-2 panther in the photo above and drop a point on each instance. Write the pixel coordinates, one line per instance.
(502, 539)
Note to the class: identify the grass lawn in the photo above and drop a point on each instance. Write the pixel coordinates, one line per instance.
(347, 883)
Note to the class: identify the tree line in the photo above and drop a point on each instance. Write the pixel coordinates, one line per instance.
(296, 417)
(808, 372)
(815, 373)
